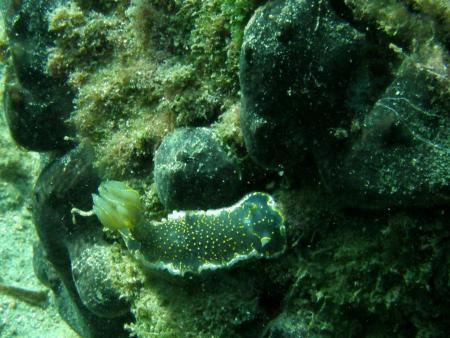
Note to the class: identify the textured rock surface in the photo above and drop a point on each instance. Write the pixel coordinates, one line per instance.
(316, 86)
(193, 171)
(297, 62)
(286, 326)
(90, 265)
(65, 182)
(401, 154)
(36, 105)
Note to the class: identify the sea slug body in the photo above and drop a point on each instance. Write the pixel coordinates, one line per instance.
(195, 241)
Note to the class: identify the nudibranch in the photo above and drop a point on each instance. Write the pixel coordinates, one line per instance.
(118, 207)
(194, 241)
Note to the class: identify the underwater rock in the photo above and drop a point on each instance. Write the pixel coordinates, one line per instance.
(36, 105)
(218, 305)
(65, 182)
(73, 311)
(42, 268)
(193, 171)
(69, 304)
(286, 325)
(312, 84)
(10, 196)
(441, 280)
(297, 61)
(401, 153)
(90, 266)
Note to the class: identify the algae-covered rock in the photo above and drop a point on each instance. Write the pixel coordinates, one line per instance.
(90, 265)
(401, 154)
(377, 130)
(366, 274)
(219, 304)
(193, 171)
(297, 61)
(286, 326)
(36, 104)
(65, 182)
(142, 68)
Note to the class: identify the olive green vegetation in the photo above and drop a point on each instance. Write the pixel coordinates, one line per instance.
(218, 304)
(142, 68)
(368, 274)
(419, 29)
(412, 22)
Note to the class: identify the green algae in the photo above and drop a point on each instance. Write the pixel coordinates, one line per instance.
(148, 67)
(219, 304)
(371, 274)
(413, 24)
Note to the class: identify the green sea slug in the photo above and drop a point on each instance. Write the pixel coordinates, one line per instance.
(196, 240)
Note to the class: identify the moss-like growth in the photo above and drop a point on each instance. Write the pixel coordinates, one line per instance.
(219, 305)
(412, 23)
(82, 40)
(144, 69)
(364, 274)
